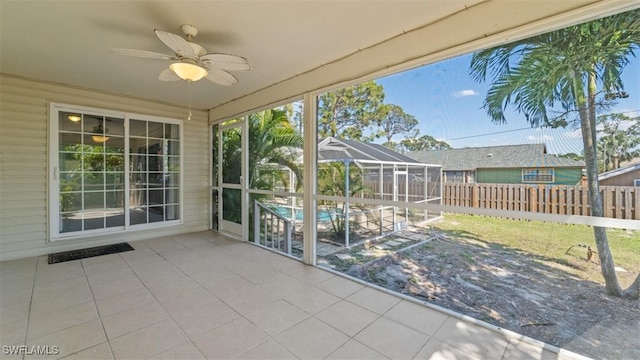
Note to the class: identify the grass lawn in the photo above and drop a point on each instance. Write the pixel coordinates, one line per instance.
(548, 242)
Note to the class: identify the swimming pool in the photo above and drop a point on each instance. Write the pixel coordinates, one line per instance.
(323, 214)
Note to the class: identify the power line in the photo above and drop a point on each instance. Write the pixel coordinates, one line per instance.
(520, 129)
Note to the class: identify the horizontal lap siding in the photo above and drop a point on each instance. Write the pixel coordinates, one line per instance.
(24, 107)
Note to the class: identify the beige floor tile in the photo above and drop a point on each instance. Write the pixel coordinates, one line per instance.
(198, 320)
(47, 274)
(268, 350)
(17, 282)
(77, 295)
(211, 278)
(148, 263)
(59, 287)
(98, 352)
(374, 300)
(100, 259)
(347, 317)
(311, 339)
(518, 349)
(312, 275)
(109, 276)
(339, 287)
(285, 286)
(116, 287)
(277, 317)
(416, 316)
(141, 251)
(163, 245)
(115, 304)
(71, 340)
(230, 340)
(228, 288)
(148, 341)
(312, 300)
(250, 298)
(133, 319)
(114, 264)
(48, 322)
(184, 298)
(290, 266)
(392, 339)
(13, 332)
(435, 349)
(17, 267)
(353, 350)
(15, 301)
(10, 314)
(256, 273)
(11, 299)
(185, 351)
(472, 339)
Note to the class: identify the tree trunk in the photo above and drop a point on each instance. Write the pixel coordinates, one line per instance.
(587, 122)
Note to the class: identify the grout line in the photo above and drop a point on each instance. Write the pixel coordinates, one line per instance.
(95, 305)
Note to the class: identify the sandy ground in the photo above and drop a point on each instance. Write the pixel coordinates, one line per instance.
(514, 290)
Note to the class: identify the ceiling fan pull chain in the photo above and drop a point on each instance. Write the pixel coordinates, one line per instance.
(189, 96)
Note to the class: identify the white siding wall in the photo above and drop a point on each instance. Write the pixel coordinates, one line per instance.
(24, 165)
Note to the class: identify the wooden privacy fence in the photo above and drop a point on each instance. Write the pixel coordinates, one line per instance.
(620, 202)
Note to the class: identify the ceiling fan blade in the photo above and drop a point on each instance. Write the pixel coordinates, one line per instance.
(221, 77)
(176, 43)
(168, 75)
(226, 62)
(142, 54)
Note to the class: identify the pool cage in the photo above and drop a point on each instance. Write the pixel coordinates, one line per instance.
(356, 170)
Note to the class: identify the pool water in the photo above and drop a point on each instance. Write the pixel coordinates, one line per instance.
(323, 214)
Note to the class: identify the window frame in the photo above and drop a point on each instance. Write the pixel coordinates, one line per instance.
(535, 181)
(53, 179)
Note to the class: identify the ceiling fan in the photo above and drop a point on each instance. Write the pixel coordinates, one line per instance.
(190, 61)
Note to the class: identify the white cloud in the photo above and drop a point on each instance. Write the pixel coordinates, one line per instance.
(466, 92)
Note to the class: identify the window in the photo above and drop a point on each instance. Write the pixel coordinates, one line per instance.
(112, 171)
(537, 175)
(636, 182)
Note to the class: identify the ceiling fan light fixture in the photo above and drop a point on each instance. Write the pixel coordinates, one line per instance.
(100, 138)
(188, 71)
(74, 117)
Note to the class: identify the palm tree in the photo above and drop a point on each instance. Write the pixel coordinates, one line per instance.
(272, 141)
(573, 69)
(619, 138)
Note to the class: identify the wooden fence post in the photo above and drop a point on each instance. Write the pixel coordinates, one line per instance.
(533, 199)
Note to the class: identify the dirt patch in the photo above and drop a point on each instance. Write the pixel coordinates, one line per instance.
(515, 290)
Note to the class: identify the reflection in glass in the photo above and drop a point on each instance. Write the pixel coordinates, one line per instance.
(232, 156)
(231, 205)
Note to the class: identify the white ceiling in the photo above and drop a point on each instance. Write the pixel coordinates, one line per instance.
(68, 42)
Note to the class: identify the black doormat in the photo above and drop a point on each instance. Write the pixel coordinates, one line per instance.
(87, 253)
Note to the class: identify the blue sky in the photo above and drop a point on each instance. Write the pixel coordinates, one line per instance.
(448, 106)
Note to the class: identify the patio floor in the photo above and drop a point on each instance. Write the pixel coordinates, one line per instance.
(201, 295)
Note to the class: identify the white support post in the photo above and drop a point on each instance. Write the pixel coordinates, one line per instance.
(381, 185)
(426, 191)
(309, 201)
(347, 163)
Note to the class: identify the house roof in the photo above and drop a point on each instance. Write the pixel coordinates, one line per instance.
(508, 156)
(619, 171)
(341, 149)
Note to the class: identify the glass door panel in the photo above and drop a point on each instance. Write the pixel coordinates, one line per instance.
(231, 162)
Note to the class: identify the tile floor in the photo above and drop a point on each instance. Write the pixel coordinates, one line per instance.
(201, 296)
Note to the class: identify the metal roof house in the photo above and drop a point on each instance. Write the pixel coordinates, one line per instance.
(510, 164)
(386, 175)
